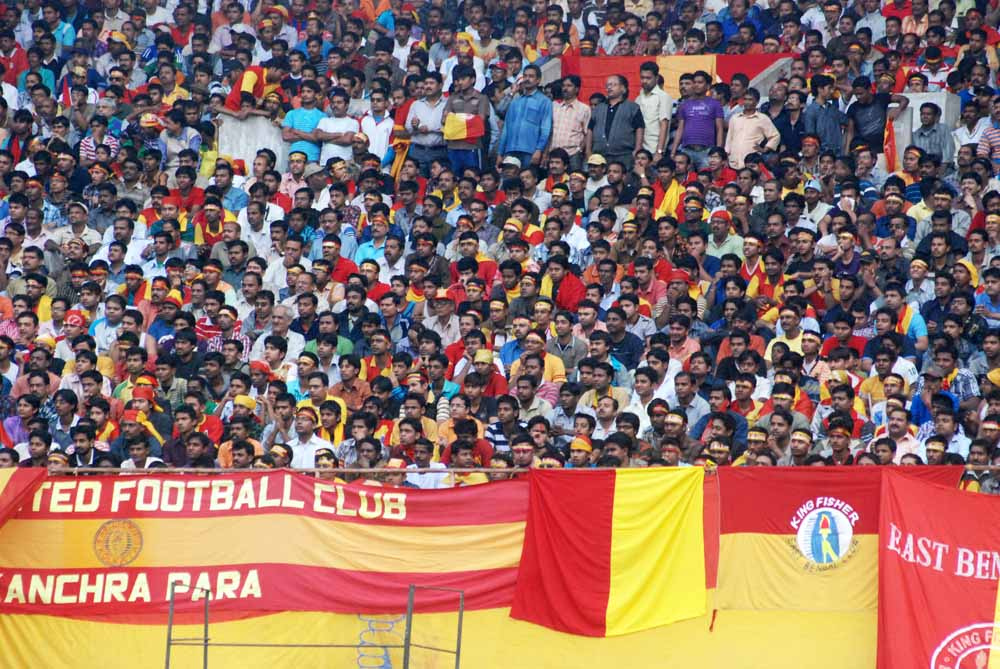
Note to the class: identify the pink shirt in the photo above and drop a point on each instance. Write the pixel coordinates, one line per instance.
(656, 291)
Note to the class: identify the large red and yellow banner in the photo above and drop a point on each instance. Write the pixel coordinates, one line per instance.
(256, 543)
(595, 71)
(803, 538)
(85, 565)
(94, 558)
(612, 552)
(939, 566)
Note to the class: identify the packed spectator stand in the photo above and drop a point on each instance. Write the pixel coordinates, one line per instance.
(470, 261)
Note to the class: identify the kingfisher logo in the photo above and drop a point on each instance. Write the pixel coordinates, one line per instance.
(965, 648)
(824, 530)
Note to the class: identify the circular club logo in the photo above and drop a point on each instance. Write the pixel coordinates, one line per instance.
(117, 543)
(965, 648)
(824, 535)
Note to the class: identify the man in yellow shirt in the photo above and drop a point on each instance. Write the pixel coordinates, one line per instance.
(791, 336)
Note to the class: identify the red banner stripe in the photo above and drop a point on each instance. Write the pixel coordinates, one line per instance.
(169, 496)
(16, 487)
(938, 574)
(567, 552)
(711, 512)
(771, 501)
(246, 589)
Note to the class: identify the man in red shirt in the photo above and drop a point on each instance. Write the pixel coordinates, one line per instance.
(258, 81)
(565, 289)
(843, 326)
(651, 288)
(13, 58)
(496, 384)
(340, 267)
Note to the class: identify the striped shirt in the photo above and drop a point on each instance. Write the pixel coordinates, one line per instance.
(569, 125)
(989, 144)
(498, 440)
(88, 147)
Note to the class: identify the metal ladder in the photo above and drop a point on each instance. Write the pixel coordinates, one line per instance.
(205, 641)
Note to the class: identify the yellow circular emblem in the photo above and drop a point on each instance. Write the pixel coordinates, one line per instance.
(117, 543)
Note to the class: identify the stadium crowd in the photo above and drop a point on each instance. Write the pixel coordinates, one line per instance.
(464, 264)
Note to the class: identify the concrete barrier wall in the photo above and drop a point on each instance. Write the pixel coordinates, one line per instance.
(951, 111)
(242, 139)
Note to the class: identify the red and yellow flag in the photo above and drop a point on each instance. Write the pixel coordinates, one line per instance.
(612, 552)
(939, 567)
(889, 147)
(809, 543)
(463, 127)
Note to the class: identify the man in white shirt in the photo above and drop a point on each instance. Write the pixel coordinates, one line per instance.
(422, 452)
(424, 122)
(970, 130)
(123, 234)
(336, 133)
(391, 263)
(281, 321)
(255, 224)
(465, 55)
(404, 40)
(377, 123)
(656, 106)
(306, 443)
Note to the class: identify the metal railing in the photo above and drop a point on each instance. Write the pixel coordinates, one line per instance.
(205, 641)
(309, 470)
(709, 471)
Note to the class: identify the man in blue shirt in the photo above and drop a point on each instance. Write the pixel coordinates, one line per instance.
(513, 349)
(374, 248)
(233, 199)
(988, 302)
(300, 123)
(528, 123)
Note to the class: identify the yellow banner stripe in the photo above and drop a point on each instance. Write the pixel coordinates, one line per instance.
(657, 559)
(769, 571)
(671, 68)
(490, 640)
(70, 544)
(5, 476)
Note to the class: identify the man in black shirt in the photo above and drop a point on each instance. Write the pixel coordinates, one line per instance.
(868, 114)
